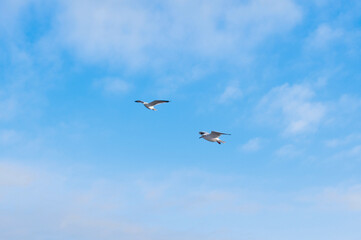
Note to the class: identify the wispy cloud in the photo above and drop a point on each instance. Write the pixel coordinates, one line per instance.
(113, 207)
(252, 145)
(337, 198)
(142, 33)
(231, 92)
(8, 108)
(112, 85)
(15, 175)
(349, 153)
(288, 151)
(8, 136)
(324, 36)
(293, 108)
(342, 141)
(346, 106)
(10, 14)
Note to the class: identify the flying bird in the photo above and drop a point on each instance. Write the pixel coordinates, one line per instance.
(152, 104)
(213, 136)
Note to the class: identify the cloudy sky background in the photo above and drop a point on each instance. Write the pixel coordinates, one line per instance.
(80, 160)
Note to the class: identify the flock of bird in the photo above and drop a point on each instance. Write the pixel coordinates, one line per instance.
(211, 137)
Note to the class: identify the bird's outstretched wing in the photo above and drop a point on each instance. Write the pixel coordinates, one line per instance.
(217, 134)
(156, 102)
(139, 101)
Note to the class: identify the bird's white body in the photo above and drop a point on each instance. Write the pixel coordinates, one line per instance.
(211, 139)
(152, 104)
(147, 105)
(213, 136)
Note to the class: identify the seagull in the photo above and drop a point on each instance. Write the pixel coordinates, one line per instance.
(152, 104)
(213, 136)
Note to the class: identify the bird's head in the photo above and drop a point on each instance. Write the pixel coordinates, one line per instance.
(202, 133)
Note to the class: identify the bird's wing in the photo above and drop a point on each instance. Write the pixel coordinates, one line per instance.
(217, 134)
(139, 101)
(156, 102)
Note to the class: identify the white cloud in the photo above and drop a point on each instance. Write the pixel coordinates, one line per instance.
(231, 92)
(323, 36)
(338, 198)
(347, 105)
(343, 112)
(15, 175)
(112, 85)
(293, 108)
(320, 3)
(24, 81)
(252, 145)
(112, 207)
(288, 151)
(147, 33)
(336, 142)
(144, 206)
(10, 10)
(95, 227)
(8, 107)
(8, 136)
(350, 153)
(171, 82)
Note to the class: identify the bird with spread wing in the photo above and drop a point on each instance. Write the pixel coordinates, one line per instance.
(213, 136)
(152, 104)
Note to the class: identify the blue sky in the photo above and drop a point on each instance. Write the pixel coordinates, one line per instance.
(80, 160)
